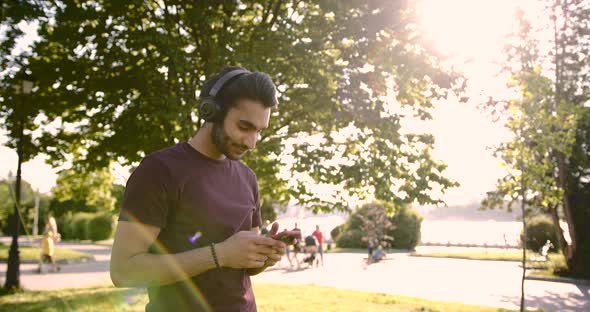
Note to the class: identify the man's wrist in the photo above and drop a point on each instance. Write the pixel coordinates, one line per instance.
(220, 252)
(214, 255)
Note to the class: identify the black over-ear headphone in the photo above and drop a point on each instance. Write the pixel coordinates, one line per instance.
(210, 109)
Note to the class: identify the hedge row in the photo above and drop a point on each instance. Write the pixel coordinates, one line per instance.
(86, 226)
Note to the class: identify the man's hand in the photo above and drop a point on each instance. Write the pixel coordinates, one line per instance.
(277, 252)
(247, 249)
(272, 258)
(275, 257)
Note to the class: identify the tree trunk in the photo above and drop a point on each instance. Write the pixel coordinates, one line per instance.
(562, 183)
(568, 250)
(13, 265)
(563, 244)
(580, 260)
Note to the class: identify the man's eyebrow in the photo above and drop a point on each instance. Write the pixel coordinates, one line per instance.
(249, 125)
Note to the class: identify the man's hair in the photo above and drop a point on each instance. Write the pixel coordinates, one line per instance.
(255, 86)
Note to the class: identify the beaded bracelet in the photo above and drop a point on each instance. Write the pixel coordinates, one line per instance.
(214, 255)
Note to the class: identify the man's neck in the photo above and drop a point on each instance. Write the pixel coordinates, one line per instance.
(203, 144)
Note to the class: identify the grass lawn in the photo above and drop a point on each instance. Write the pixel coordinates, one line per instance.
(270, 298)
(494, 255)
(549, 268)
(106, 242)
(31, 254)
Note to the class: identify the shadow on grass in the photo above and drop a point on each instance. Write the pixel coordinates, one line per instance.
(585, 290)
(552, 301)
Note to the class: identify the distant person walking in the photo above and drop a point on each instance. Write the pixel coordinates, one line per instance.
(372, 244)
(320, 238)
(297, 246)
(50, 237)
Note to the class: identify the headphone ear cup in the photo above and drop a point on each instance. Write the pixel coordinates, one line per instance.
(209, 110)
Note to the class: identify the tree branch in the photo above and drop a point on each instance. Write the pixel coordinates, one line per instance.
(297, 114)
(275, 13)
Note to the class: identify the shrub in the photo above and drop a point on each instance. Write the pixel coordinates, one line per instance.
(337, 231)
(407, 224)
(351, 238)
(539, 230)
(406, 232)
(64, 226)
(100, 227)
(79, 225)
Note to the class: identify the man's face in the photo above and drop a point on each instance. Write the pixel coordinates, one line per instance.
(240, 130)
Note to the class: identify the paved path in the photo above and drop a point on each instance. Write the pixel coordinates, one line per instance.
(490, 283)
(71, 275)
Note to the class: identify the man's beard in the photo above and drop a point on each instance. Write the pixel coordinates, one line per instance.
(223, 142)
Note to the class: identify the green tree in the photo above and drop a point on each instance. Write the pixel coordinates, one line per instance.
(108, 71)
(80, 191)
(375, 225)
(118, 192)
(270, 208)
(27, 211)
(548, 154)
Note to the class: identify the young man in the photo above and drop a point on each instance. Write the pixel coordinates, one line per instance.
(189, 222)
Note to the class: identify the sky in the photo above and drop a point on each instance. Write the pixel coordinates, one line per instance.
(471, 32)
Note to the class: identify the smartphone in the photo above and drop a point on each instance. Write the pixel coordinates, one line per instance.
(287, 237)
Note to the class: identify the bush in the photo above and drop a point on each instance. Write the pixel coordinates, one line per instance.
(352, 238)
(100, 227)
(538, 230)
(407, 223)
(336, 231)
(406, 232)
(64, 226)
(79, 225)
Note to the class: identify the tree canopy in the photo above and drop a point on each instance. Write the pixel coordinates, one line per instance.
(77, 190)
(117, 80)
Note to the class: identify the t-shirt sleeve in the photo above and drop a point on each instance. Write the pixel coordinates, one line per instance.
(146, 194)
(257, 217)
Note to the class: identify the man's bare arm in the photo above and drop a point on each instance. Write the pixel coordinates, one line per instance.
(132, 265)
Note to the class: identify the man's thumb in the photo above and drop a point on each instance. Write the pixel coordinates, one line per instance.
(275, 228)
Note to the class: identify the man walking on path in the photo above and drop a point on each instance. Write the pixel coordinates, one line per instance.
(189, 223)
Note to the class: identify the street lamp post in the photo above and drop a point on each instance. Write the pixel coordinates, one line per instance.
(13, 270)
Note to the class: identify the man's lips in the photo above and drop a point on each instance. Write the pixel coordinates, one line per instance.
(240, 150)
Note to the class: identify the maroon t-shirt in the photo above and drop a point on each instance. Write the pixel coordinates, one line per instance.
(194, 200)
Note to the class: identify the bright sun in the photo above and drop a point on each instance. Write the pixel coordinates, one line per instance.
(469, 29)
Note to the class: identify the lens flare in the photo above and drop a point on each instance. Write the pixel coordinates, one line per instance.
(191, 288)
(193, 239)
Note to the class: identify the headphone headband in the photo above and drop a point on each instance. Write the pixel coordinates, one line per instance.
(210, 109)
(225, 78)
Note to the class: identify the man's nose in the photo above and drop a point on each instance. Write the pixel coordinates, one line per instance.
(251, 139)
